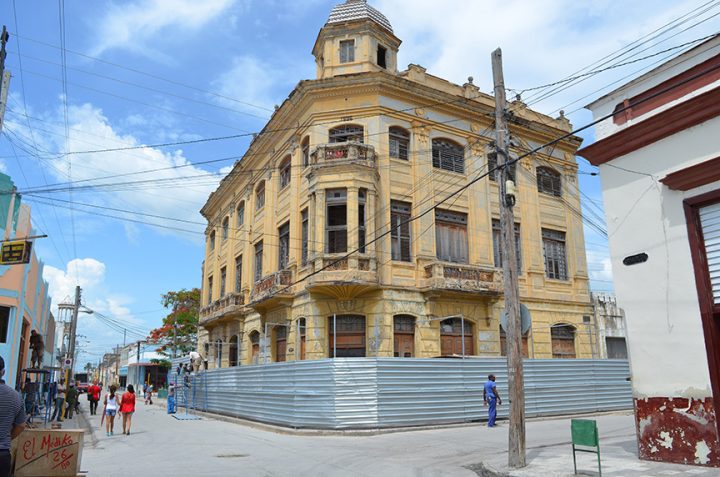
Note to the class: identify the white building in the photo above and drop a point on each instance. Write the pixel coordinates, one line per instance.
(659, 159)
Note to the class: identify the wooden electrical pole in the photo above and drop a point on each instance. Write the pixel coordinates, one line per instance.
(506, 185)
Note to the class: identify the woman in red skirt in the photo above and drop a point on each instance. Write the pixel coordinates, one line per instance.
(127, 408)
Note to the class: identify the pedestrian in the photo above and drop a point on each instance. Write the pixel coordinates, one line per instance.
(59, 402)
(38, 347)
(171, 399)
(110, 408)
(491, 399)
(71, 400)
(148, 394)
(127, 408)
(94, 397)
(12, 420)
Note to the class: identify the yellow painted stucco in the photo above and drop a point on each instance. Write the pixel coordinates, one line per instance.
(371, 284)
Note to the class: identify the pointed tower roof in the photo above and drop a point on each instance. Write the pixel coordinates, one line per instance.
(353, 10)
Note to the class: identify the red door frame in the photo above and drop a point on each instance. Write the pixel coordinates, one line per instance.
(709, 312)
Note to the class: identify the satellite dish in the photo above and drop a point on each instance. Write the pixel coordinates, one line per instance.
(525, 319)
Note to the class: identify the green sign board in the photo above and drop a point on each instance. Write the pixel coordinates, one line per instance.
(14, 253)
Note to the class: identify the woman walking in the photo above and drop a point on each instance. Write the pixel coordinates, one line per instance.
(127, 408)
(110, 409)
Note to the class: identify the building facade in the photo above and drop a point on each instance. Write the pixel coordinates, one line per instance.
(659, 160)
(24, 299)
(338, 233)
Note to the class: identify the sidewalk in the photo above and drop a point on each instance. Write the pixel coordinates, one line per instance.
(222, 446)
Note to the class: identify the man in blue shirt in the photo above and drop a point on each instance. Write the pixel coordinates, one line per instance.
(492, 399)
(12, 420)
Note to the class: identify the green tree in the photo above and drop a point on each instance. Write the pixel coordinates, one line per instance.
(180, 326)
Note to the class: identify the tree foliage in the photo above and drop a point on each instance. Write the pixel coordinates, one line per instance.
(180, 324)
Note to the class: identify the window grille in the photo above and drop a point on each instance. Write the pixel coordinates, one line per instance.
(555, 256)
(345, 133)
(400, 233)
(451, 241)
(399, 143)
(448, 155)
(258, 261)
(492, 166)
(284, 246)
(549, 181)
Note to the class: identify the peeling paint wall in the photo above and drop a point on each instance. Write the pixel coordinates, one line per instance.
(677, 430)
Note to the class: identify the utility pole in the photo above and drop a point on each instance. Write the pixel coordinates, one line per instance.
(4, 78)
(73, 331)
(506, 184)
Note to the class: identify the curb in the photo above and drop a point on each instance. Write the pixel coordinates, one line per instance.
(87, 427)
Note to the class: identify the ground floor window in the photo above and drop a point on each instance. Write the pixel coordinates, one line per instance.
(563, 341)
(302, 325)
(218, 353)
(503, 344)
(233, 351)
(280, 343)
(451, 337)
(616, 348)
(254, 347)
(404, 336)
(4, 323)
(349, 331)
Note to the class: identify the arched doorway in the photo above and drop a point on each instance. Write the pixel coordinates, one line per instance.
(404, 336)
(350, 334)
(233, 351)
(563, 341)
(254, 347)
(451, 337)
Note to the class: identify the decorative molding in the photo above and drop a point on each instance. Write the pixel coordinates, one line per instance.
(685, 115)
(694, 176)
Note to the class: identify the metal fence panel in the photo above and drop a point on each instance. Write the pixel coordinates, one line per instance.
(369, 393)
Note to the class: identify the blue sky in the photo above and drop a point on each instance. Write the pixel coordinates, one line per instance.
(147, 72)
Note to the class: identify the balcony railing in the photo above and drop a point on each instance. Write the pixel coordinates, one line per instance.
(278, 282)
(452, 276)
(335, 268)
(227, 304)
(343, 153)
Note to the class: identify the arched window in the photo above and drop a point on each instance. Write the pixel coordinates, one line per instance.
(233, 351)
(285, 172)
(212, 240)
(404, 336)
(280, 343)
(350, 334)
(260, 196)
(346, 133)
(448, 155)
(240, 213)
(563, 341)
(305, 148)
(549, 181)
(218, 353)
(301, 330)
(399, 143)
(492, 166)
(503, 343)
(451, 337)
(225, 228)
(254, 347)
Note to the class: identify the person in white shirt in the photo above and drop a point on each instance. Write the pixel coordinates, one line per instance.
(196, 360)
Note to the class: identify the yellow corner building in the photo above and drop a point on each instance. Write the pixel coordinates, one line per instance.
(310, 249)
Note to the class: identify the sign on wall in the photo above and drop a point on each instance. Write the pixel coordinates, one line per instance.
(16, 252)
(45, 452)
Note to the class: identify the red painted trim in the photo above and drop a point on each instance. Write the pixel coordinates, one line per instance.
(709, 313)
(694, 176)
(676, 90)
(685, 115)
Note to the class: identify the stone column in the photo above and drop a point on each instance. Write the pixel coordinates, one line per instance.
(319, 224)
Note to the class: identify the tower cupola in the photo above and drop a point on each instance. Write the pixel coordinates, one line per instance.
(357, 38)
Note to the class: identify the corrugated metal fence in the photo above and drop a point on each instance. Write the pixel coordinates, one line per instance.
(357, 393)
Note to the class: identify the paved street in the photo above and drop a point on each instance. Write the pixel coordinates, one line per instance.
(210, 447)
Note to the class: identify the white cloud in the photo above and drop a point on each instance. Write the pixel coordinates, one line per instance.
(134, 26)
(541, 41)
(600, 268)
(253, 80)
(90, 129)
